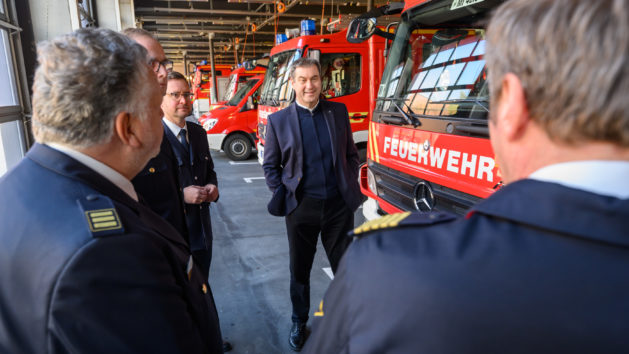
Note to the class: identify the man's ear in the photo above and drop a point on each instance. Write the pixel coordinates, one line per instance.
(125, 128)
(512, 111)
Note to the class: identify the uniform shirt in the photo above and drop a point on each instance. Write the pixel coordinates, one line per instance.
(175, 129)
(112, 175)
(600, 177)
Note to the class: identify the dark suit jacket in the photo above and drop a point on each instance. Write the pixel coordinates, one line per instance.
(84, 268)
(158, 185)
(535, 268)
(162, 180)
(283, 153)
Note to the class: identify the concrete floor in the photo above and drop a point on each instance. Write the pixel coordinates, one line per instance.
(249, 274)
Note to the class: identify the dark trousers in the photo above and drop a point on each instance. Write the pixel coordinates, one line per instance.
(333, 219)
(203, 258)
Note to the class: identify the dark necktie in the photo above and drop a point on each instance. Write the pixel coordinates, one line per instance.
(182, 139)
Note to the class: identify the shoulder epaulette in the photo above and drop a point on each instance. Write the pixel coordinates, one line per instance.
(403, 220)
(101, 215)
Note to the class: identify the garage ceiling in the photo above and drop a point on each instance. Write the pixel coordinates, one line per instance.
(184, 26)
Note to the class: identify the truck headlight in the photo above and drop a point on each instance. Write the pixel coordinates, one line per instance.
(209, 124)
(371, 181)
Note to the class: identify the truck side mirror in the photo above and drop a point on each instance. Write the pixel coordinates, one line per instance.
(250, 105)
(360, 29)
(365, 25)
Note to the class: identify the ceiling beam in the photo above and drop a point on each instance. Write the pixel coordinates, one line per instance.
(221, 12)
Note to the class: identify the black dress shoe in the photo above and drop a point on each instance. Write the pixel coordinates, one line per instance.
(227, 346)
(297, 336)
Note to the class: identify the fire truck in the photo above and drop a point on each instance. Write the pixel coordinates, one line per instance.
(232, 127)
(428, 145)
(237, 79)
(201, 86)
(350, 74)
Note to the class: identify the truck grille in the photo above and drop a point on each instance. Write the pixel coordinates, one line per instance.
(398, 189)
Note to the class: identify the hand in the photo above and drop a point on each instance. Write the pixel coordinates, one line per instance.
(194, 194)
(212, 192)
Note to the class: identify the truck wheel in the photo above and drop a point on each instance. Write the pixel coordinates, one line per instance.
(237, 147)
(362, 154)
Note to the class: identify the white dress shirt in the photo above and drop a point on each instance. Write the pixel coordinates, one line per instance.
(175, 129)
(610, 178)
(109, 173)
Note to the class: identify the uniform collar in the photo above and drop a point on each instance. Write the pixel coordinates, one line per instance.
(109, 173)
(557, 208)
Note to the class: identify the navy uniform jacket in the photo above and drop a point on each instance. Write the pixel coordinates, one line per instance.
(283, 153)
(86, 269)
(535, 268)
(161, 184)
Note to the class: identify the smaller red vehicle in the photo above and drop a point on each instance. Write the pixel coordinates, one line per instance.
(202, 83)
(233, 126)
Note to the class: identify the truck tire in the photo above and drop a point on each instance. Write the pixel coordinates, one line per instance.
(237, 147)
(362, 153)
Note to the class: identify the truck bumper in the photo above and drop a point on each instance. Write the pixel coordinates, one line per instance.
(216, 141)
(370, 209)
(260, 149)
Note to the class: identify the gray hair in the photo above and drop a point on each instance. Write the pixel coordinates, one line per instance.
(84, 79)
(137, 32)
(303, 62)
(572, 57)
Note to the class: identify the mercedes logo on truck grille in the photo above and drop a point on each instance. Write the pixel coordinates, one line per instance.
(423, 198)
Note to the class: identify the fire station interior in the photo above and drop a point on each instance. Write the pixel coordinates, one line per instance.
(249, 273)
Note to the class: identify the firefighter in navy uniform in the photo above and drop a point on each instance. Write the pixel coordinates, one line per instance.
(84, 266)
(540, 266)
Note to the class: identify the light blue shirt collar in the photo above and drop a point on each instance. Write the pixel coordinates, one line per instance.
(609, 178)
(109, 173)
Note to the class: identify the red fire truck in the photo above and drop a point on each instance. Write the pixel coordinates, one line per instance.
(428, 137)
(202, 83)
(232, 127)
(237, 79)
(350, 74)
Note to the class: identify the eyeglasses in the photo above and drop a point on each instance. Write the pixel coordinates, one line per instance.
(178, 95)
(167, 64)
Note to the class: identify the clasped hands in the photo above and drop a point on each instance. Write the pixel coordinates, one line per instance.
(199, 194)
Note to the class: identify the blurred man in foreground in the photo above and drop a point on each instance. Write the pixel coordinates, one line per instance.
(541, 266)
(84, 266)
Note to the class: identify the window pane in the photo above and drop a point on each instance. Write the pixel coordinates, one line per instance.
(341, 74)
(8, 89)
(12, 146)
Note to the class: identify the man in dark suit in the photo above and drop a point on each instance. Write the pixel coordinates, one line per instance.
(311, 164)
(180, 182)
(540, 266)
(84, 266)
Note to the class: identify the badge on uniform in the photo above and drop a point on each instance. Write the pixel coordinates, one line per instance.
(101, 216)
(403, 219)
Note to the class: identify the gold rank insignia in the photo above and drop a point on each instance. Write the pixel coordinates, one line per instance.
(384, 222)
(103, 220)
(320, 312)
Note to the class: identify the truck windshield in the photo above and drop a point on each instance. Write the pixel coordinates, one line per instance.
(435, 73)
(242, 91)
(276, 87)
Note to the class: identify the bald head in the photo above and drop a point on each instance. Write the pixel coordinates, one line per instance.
(155, 52)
